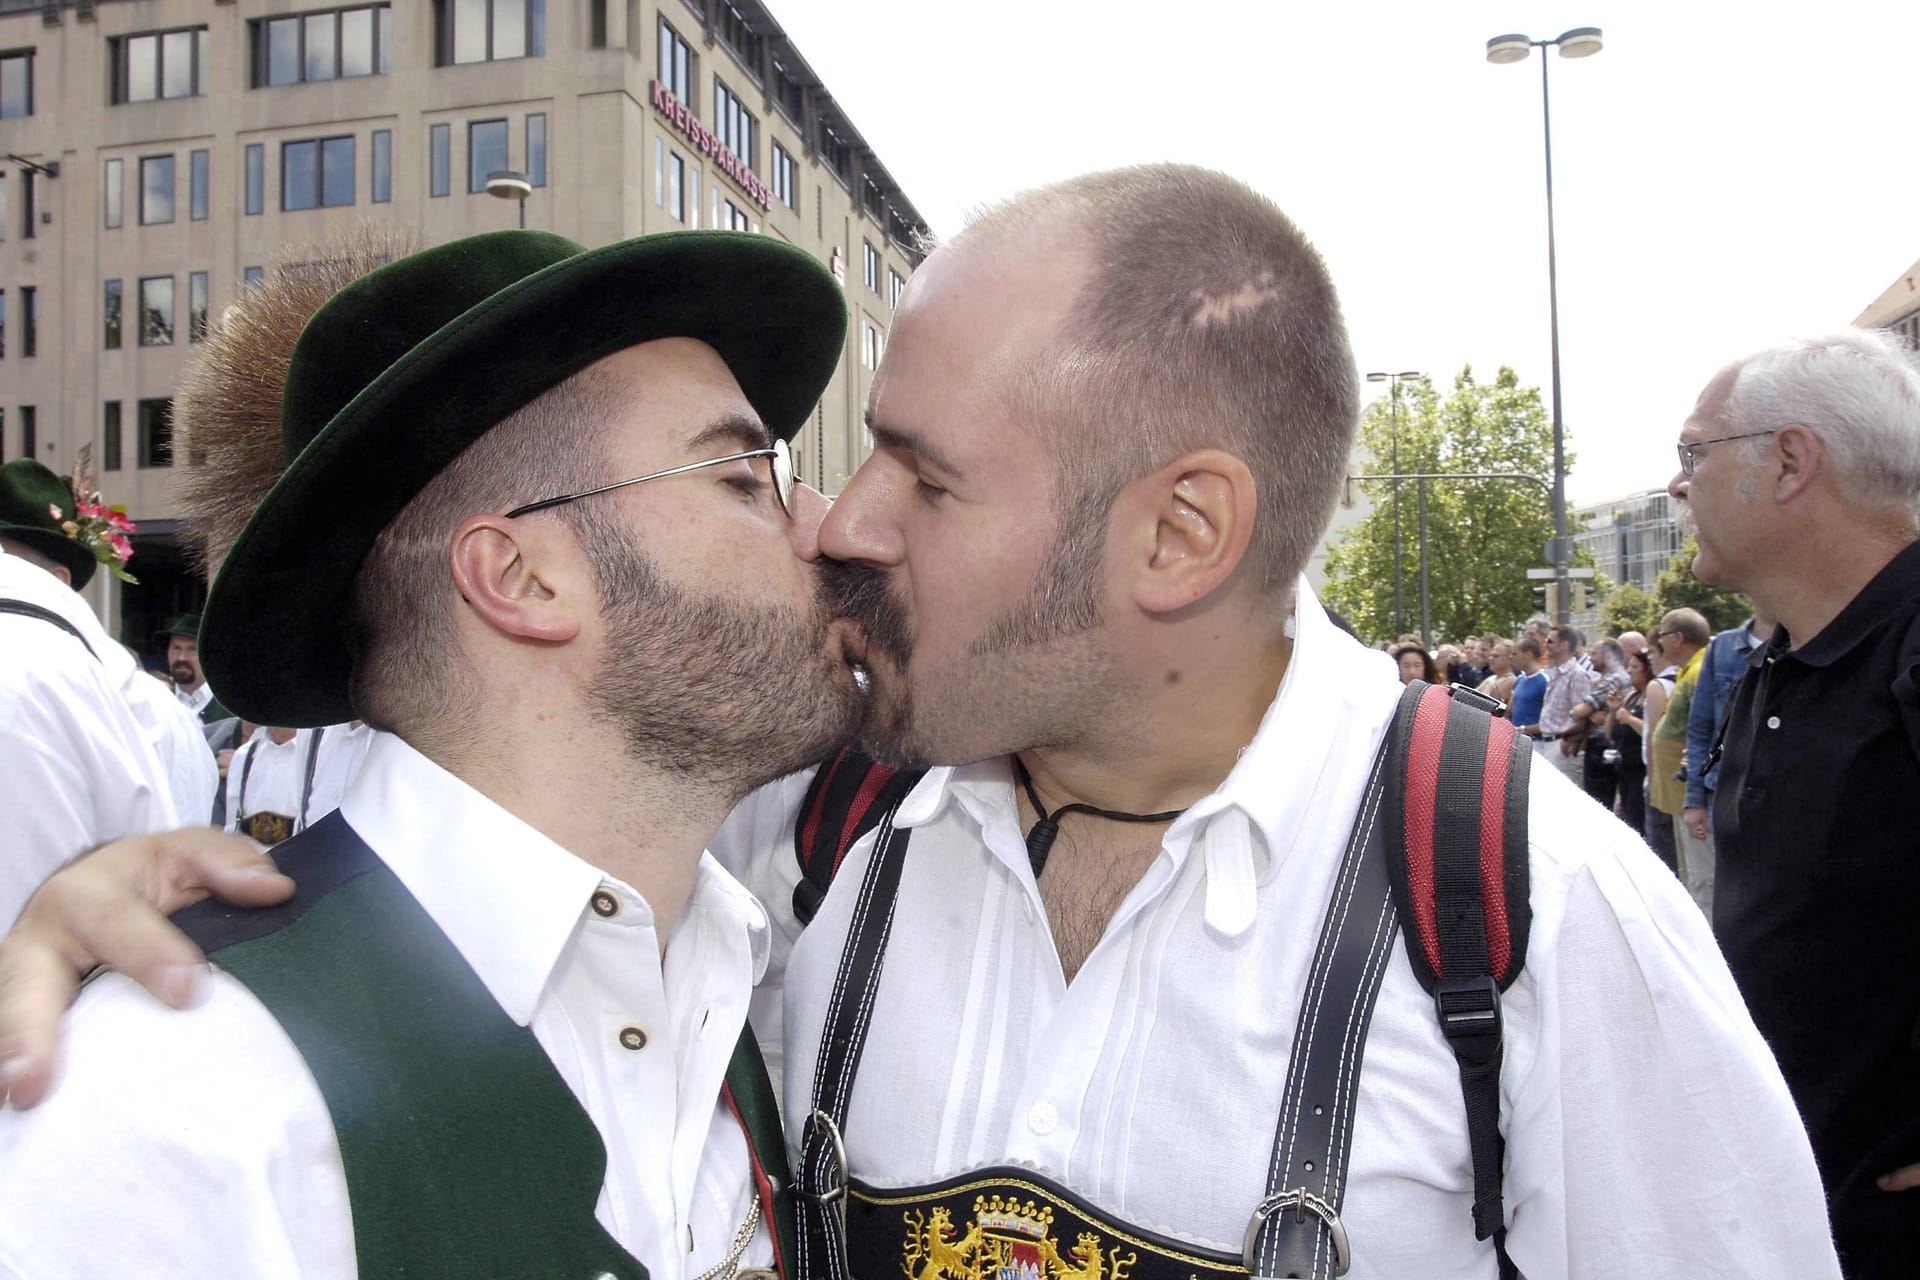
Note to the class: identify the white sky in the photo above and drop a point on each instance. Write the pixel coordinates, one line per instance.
(1725, 174)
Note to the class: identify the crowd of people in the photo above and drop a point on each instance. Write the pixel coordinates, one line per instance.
(611, 891)
(1624, 717)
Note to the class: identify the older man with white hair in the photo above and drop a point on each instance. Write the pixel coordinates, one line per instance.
(1801, 465)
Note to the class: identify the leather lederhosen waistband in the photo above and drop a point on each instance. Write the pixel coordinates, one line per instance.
(1010, 1224)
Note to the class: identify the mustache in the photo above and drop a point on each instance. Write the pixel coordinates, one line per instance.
(1683, 518)
(862, 593)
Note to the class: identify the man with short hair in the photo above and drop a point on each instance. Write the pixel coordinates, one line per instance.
(502, 1030)
(1683, 635)
(1632, 642)
(1110, 425)
(1563, 729)
(1599, 774)
(1800, 466)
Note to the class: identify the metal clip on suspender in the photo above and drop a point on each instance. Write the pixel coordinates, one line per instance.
(832, 1198)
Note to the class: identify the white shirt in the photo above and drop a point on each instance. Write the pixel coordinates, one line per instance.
(1650, 1132)
(276, 782)
(195, 700)
(81, 762)
(198, 1145)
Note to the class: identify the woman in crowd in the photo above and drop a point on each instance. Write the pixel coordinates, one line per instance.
(1415, 664)
(1627, 728)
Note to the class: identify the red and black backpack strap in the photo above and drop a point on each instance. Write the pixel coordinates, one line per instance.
(850, 795)
(1456, 791)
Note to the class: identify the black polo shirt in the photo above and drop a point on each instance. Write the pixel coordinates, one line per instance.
(1817, 895)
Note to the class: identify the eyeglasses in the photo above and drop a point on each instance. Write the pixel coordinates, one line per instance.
(779, 460)
(1687, 448)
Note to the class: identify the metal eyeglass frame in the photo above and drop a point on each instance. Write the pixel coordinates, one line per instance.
(780, 460)
(1686, 447)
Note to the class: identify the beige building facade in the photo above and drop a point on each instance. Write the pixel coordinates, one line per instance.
(157, 154)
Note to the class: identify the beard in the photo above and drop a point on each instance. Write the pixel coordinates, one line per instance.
(1029, 679)
(184, 675)
(707, 687)
(1685, 520)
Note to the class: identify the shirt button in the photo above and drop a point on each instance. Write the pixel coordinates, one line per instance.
(605, 904)
(633, 1038)
(1043, 1118)
(1773, 722)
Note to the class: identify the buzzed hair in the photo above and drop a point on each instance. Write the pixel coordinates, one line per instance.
(1690, 624)
(1207, 320)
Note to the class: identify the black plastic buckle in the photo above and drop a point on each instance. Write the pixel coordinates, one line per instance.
(1469, 1010)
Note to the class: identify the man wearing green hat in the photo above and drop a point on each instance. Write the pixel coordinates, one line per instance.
(183, 664)
(91, 748)
(539, 528)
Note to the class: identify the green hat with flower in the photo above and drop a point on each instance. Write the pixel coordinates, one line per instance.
(39, 510)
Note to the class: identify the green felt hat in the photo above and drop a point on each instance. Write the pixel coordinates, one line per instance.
(27, 492)
(185, 624)
(405, 367)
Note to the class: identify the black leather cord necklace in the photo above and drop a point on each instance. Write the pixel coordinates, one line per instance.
(1040, 839)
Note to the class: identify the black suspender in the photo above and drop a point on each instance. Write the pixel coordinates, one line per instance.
(25, 610)
(306, 785)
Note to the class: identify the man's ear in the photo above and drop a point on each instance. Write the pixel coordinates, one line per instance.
(1197, 516)
(1802, 458)
(508, 571)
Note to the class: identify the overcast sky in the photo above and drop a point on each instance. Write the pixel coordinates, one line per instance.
(1725, 174)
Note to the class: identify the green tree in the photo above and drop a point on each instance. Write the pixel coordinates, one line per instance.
(1677, 588)
(1628, 608)
(1482, 535)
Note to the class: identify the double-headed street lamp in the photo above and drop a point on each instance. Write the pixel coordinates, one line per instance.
(1395, 379)
(1581, 42)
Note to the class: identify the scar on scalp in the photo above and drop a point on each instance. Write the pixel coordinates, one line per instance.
(1212, 308)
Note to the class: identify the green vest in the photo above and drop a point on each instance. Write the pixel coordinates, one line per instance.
(466, 1154)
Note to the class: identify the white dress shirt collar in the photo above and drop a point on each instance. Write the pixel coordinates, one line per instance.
(518, 897)
(1267, 794)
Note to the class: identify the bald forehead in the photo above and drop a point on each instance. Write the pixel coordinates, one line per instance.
(1711, 405)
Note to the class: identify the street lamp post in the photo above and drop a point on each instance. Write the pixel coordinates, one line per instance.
(511, 185)
(1394, 380)
(1580, 42)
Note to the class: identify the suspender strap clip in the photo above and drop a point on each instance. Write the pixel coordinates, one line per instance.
(1302, 1202)
(1469, 1010)
(828, 1191)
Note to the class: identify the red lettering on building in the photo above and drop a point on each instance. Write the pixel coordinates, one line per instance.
(690, 128)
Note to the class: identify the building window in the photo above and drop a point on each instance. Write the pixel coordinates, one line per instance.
(895, 283)
(159, 64)
(156, 433)
(537, 149)
(486, 151)
(727, 215)
(156, 311)
(3, 206)
(316, 173)
(30, 203)
(468, 31)
(252, 276)
(334, 44)
(197, 198)
(29, 431)
(597, 24)
(439, 159)
(733, 123)
(676, 64)
(785, 177)
(110, 318)
(381, 180)
(196, 306)
(110, 437)
(3, 322)
(837, 153)
(16, 84)
(870, 345)
(29, 321)
(870, 261)
(256, 176)
(740, 36)
(156, 190)
(676, 188)
(113, 191)
(788, 95)
(659, 172)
